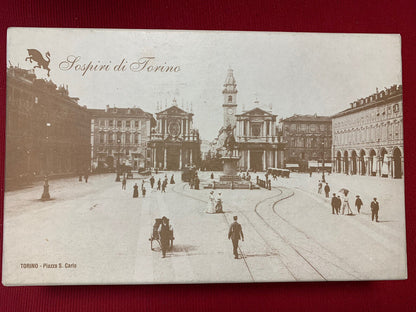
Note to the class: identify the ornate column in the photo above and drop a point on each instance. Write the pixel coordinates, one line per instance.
(180, 158)
(248, 159)
(264, 160)
(367, 165)
(190, 156)
(391, 167)
(154, 157)
(275, 158)
(164, 158)
(379, 164)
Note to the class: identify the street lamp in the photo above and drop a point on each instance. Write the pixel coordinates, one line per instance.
(323, 162)
(118, 162)
(45, 194)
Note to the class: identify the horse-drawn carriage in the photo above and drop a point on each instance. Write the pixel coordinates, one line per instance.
(155, 234)
(278, 172)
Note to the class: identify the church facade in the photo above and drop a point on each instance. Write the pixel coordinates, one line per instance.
(174, 143)
(257, 141)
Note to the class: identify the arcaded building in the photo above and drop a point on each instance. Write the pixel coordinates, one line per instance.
(47, 131)
(120, 136)
(368, 136)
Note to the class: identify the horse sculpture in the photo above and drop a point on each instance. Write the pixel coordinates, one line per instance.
(35, 55)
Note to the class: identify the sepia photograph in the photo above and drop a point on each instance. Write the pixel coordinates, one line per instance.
(169, 156)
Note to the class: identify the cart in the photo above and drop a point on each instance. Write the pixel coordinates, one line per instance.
(155, 234)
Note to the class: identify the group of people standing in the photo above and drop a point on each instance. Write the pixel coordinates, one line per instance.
(326, 188)
(161, 185)
(337, 203)
(214, 203)
(136, 190)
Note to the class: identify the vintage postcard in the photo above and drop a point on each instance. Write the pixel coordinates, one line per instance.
(156, 156)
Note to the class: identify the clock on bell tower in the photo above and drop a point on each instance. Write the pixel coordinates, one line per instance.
(230, 99)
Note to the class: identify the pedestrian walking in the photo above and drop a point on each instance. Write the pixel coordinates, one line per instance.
(86, 177)
(144, 191)
(374, 209)
(152, 181)
(172, 180)
(358, 203)
(158, 184)
(235, 234)
(338, 204)
(327, 189)
(80, 177)
(319, 187)
(346, 205)
(165, 234)
(124, 183)
(212, 176)
(334, 202)
(218, 205)
(164, 184)
(211, 203)
(135, 191)
(310, 173)
(196, 181)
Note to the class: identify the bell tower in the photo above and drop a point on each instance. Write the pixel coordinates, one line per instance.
(230, 99)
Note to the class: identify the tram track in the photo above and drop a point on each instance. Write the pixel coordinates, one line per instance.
(299, 252)
(226, 221)
(304, 255)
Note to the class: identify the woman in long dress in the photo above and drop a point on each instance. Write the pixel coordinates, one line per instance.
(211, 203)
(218, 204)
(135, 191)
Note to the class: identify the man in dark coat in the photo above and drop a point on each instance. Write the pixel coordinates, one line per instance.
(334, 202)
(338, 206)
(326, 189)
(358, 203)
(165, 234)
(374, 209)
(158, 184)
(152, 181)
(235, 233)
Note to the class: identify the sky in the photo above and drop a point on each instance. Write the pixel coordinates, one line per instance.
(297, 73)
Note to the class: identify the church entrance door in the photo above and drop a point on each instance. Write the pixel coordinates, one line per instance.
(256, 160)
(172, 158)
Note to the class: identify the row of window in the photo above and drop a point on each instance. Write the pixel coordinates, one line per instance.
(120, 123)
(294, 127)
(309, 142)
(374, 115)
(122, 138)
(390, 131)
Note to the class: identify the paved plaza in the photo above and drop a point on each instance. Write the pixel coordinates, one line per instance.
(290, 232)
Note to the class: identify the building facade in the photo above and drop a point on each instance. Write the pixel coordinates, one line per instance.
(120, 136)
(47, 131)
(368, 136)
(259, 146)
(174, 143)
(309, 141)
(254, 131)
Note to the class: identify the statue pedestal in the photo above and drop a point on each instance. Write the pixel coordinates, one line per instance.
(230, 168)
(230, 179)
